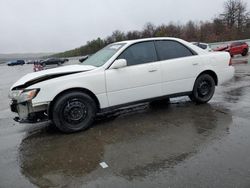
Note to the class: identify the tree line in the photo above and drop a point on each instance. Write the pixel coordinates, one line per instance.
(232, 24)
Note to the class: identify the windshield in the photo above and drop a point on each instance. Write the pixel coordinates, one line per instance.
(102, 56)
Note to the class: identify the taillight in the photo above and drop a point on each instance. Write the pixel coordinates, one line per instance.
(230, 62)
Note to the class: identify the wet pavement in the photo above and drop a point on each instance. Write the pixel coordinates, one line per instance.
(179, 144)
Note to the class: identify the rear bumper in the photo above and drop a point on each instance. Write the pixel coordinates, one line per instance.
(226, 74)
(27, 113)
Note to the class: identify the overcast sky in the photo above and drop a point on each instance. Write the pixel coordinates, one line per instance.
(58, 25)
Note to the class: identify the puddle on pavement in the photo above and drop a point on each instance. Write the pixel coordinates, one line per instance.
(234, 95)
(139, 142)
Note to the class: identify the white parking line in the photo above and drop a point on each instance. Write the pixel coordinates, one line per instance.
(104, 165)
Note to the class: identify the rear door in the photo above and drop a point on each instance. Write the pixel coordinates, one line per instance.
(179, 66)
(141, 79)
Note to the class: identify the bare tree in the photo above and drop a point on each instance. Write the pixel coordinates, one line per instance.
(242, 15)
(133, 35)
(170, 30)
(191, 31)
(149, 30)
(230, 12)
(115, 37)
(235, 14)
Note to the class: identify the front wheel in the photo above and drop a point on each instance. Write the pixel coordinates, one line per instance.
(74, 111)
(203, 90)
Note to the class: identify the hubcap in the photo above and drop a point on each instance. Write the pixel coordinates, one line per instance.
(204, 88)
(75, 112)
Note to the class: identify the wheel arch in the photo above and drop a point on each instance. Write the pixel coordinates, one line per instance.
(84, 90)
(212, 74)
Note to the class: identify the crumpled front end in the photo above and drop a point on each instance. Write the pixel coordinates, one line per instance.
(25, 92)
(21, 103)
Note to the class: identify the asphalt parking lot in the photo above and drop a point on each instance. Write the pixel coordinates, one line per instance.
(179, 144)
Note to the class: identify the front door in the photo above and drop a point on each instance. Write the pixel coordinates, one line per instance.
(141, 79)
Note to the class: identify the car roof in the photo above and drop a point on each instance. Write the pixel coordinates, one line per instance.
(149, 39)
(200, 43)
(194, 47)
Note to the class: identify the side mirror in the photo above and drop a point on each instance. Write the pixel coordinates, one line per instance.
(83, 58)
(119, 63)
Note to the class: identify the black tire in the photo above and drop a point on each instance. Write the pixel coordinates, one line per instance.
(203, 90)
(59, 63)
(74, 111)
(245, 52)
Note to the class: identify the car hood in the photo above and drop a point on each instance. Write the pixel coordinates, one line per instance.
(36, 77)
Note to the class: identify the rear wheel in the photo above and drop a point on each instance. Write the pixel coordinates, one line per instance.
(74, 111)
(245, 52)
(203, 90)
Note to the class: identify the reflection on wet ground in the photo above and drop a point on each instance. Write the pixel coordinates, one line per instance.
(234, 95)
(134, 145)
(241, 62)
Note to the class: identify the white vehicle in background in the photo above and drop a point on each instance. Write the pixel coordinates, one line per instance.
(203, 46)
(119, 75)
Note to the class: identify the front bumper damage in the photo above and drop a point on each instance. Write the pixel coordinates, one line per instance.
(29, 113)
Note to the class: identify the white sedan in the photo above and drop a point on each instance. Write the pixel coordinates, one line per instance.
(120, 74)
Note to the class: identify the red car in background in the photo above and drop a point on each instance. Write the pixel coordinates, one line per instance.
(235, 48)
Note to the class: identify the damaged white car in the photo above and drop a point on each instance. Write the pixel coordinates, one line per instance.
(120, 74)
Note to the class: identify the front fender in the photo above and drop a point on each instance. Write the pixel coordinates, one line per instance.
(94, 82)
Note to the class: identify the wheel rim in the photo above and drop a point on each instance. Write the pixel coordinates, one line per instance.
(75, 112)
(204, 88)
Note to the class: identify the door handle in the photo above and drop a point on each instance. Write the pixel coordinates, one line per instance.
(195, 64)
(152, 70)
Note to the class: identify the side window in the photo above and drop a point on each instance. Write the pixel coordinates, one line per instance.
(171, 49)
(139, 53)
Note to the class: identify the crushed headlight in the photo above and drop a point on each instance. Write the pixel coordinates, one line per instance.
(23, 95)
(15, 94)
(27, 95)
